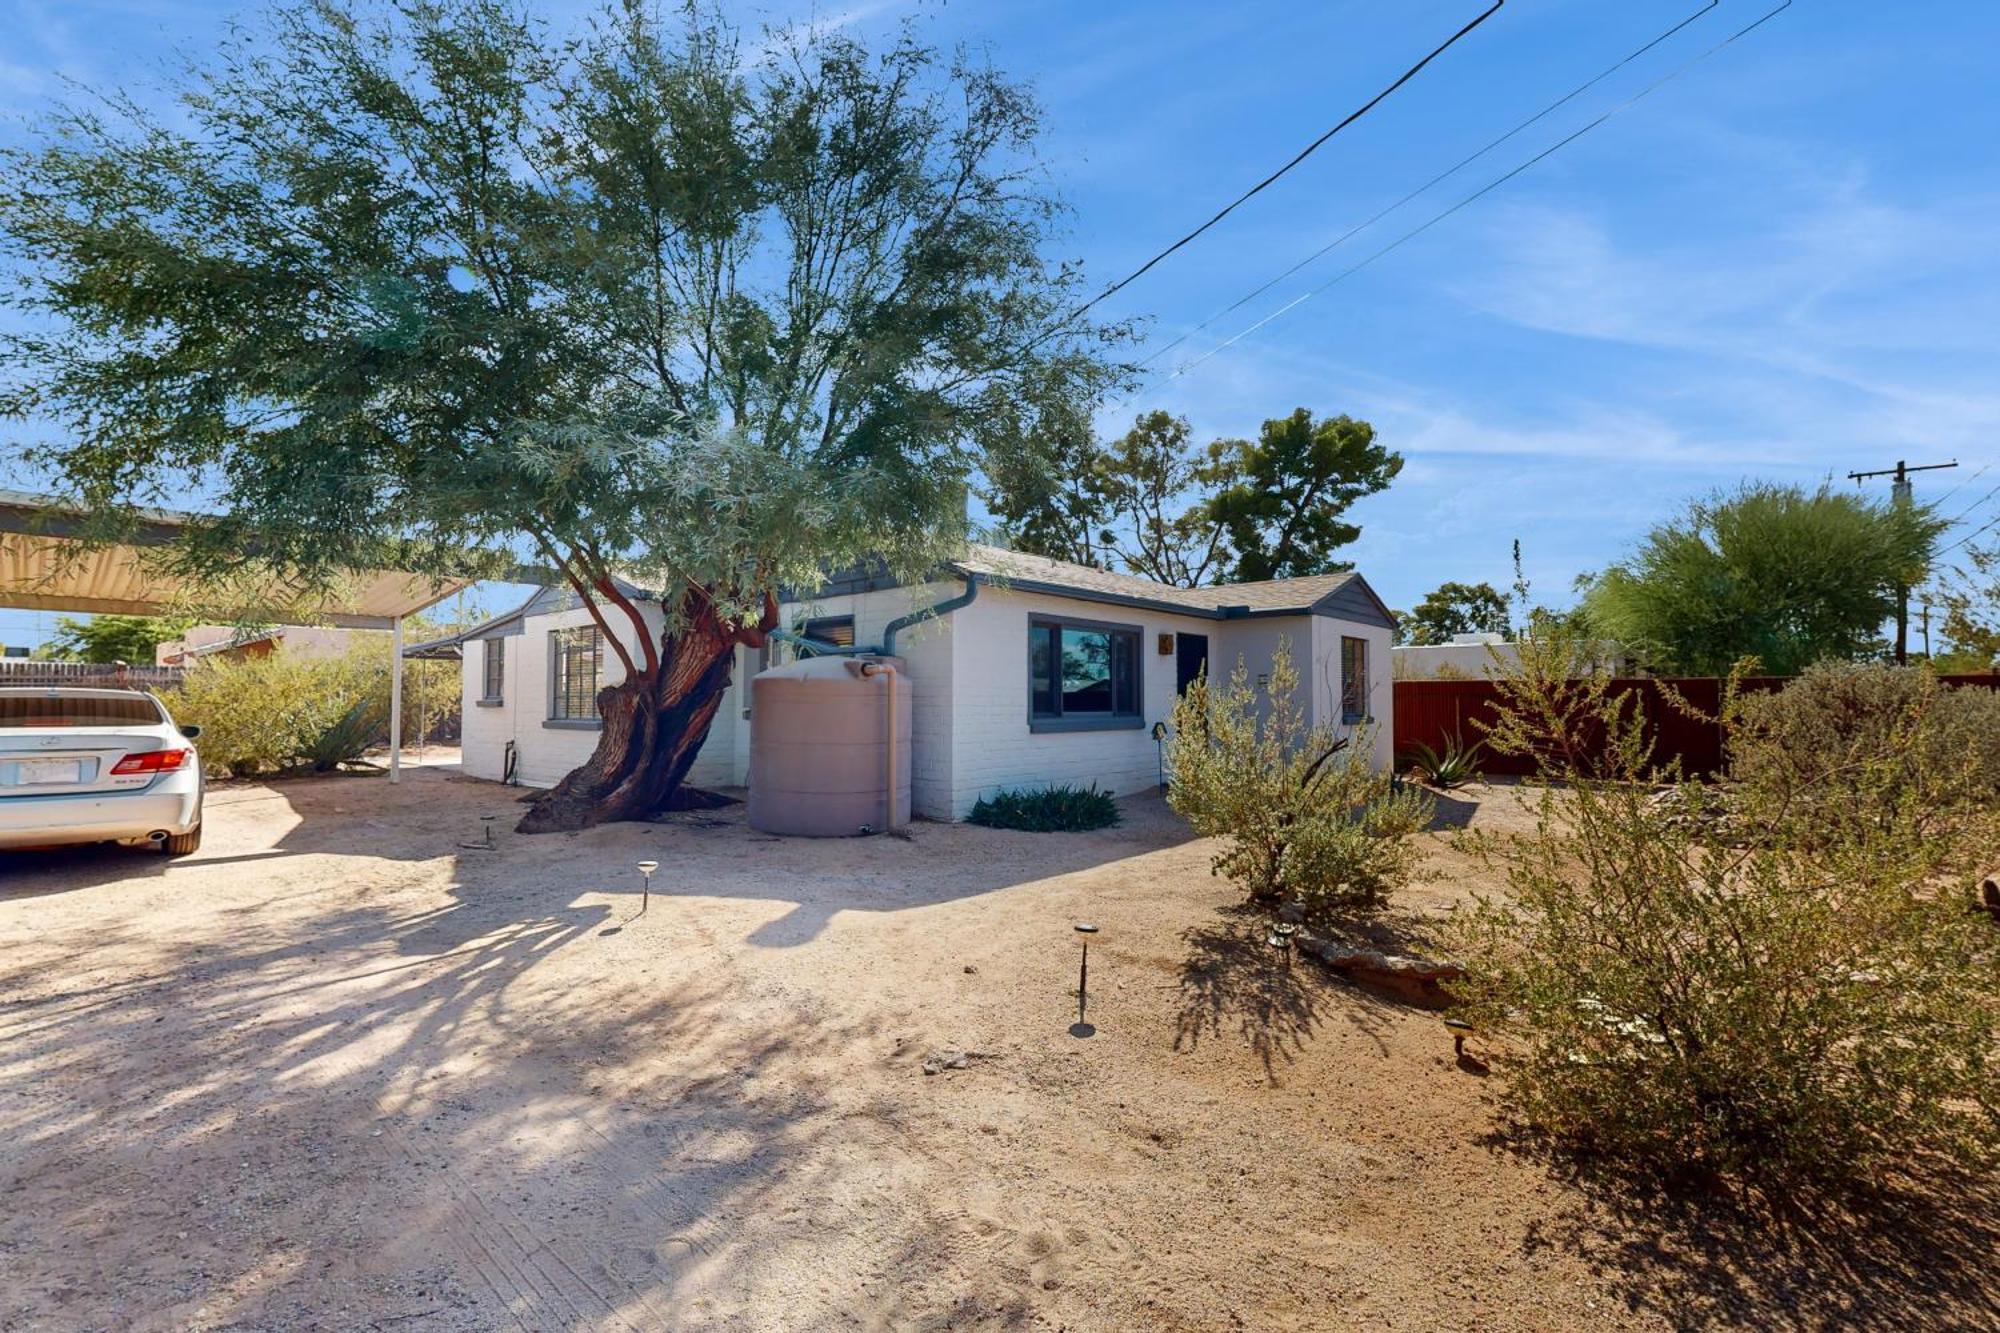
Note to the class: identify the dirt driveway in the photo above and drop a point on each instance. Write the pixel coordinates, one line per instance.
(337, 1072)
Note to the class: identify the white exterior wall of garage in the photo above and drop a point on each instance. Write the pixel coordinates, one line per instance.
(971, 733)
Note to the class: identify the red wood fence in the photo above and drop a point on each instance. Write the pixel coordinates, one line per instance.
(1434, 712)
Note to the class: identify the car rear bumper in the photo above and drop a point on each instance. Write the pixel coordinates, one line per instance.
(171, 806)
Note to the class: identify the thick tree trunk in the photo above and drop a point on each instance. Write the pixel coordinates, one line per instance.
(654, 725)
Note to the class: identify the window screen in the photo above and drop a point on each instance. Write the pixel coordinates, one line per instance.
(576, 659)
(1082, 670)
(495, 666)
(1353, 679)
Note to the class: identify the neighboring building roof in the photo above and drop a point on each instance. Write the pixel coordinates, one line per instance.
(1345, 594)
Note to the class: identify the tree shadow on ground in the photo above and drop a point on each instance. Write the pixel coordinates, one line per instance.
(1234, 980)
(288, 1118)
(1915, 1254)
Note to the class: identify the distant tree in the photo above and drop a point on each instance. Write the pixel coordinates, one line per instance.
(1455, 608)
(1970, 598)
(1786, 575)
(108, 638)
(644, 302)
(1151, 503)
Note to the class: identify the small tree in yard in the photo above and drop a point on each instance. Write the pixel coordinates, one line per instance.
(1747, 998)
(1302, 815)
(641, 306)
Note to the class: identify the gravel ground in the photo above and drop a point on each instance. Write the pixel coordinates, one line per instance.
(339, 1072)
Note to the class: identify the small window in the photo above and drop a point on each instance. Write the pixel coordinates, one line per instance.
(1353, 679)
(494, 669)
(1082, 675)
(576, 662)
(836, 630)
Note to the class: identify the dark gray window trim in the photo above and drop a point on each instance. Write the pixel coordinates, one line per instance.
(573, 723)
(1088, 721)
(1349, 718)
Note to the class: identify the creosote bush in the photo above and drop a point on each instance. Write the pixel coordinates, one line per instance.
(1303, 815)
(1856, 741)
(1769, 1000)
(1063, 809)
(286, 712)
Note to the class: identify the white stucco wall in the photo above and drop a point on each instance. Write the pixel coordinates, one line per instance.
(971, 735)
(1326, 636)
(544, 752)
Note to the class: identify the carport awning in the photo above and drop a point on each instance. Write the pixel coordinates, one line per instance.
(46, 565)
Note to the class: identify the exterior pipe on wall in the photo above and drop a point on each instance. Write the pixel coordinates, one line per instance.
(884, 669)
(943, 608)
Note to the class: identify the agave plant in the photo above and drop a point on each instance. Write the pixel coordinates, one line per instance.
(1456, 766)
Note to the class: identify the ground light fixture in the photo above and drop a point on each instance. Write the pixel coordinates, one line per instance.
(1081, 1028)
(1160, 750)
(1281, 940)
(646, 869)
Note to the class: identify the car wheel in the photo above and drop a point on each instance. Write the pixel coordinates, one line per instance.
(180, 844)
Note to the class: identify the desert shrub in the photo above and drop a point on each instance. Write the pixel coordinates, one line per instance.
(285, 711)
(1064, 809)
(1852, 742)
(1733, 999)
(1302, 815)
(1455, 766)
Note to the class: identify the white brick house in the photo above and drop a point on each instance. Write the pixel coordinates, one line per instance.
(991, 713)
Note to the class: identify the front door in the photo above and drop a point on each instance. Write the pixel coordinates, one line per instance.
(1190, 659)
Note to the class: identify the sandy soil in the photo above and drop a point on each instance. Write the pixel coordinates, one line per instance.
(338, 1072)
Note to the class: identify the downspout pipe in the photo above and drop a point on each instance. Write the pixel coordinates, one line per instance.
(944, 608)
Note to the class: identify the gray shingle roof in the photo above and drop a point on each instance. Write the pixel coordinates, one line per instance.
(1269, 597)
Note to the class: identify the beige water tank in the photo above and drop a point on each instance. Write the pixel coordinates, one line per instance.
(829, 741)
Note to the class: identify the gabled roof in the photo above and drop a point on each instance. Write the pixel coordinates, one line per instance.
(1345, 593)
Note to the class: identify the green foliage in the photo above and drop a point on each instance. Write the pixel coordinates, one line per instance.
(1454, 608)
(1969, 595)
(1862, 748)
(1456, 766)
(1757, 999)
(1064, 809)
(1773, 572)
(1302, 815)
(401, 280)
(112, 638)
(1151, 503)
(288, 712)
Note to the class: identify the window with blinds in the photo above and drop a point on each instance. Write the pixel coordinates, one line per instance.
(1353, 679)
(836, 630)
(576, 661)
(494, 670)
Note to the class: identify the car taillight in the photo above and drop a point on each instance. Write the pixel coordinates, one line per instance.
(152, 761)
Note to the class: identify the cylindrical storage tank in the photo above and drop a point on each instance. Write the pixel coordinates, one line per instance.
(826, 736)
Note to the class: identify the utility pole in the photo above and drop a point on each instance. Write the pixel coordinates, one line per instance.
(1901, 493)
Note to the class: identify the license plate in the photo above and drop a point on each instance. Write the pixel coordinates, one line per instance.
(51, 772)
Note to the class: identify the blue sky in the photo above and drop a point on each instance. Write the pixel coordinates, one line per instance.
(1779, 265)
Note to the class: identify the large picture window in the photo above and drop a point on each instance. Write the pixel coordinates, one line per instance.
(576, 662)
(1353, 680)
(1082, 675)
(493, 668)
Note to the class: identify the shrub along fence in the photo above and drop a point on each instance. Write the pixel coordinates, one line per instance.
(1433, 712)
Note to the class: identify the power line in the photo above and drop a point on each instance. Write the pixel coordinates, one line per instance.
(1974, 505)
(1968, 537)
(1442, 176)
(1963, 484)
(1488, 188)
(1302, 155)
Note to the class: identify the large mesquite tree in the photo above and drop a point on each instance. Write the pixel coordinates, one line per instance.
(646, 305)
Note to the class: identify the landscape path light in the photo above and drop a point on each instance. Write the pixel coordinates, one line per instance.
(646, 868)
(1081, 1028)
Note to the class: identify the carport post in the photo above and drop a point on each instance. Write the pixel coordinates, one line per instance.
(396, 700)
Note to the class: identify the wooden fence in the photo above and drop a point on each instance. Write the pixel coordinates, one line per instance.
(1434, 712)
(27, 671)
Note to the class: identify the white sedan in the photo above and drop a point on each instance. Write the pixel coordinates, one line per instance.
(81, 765)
